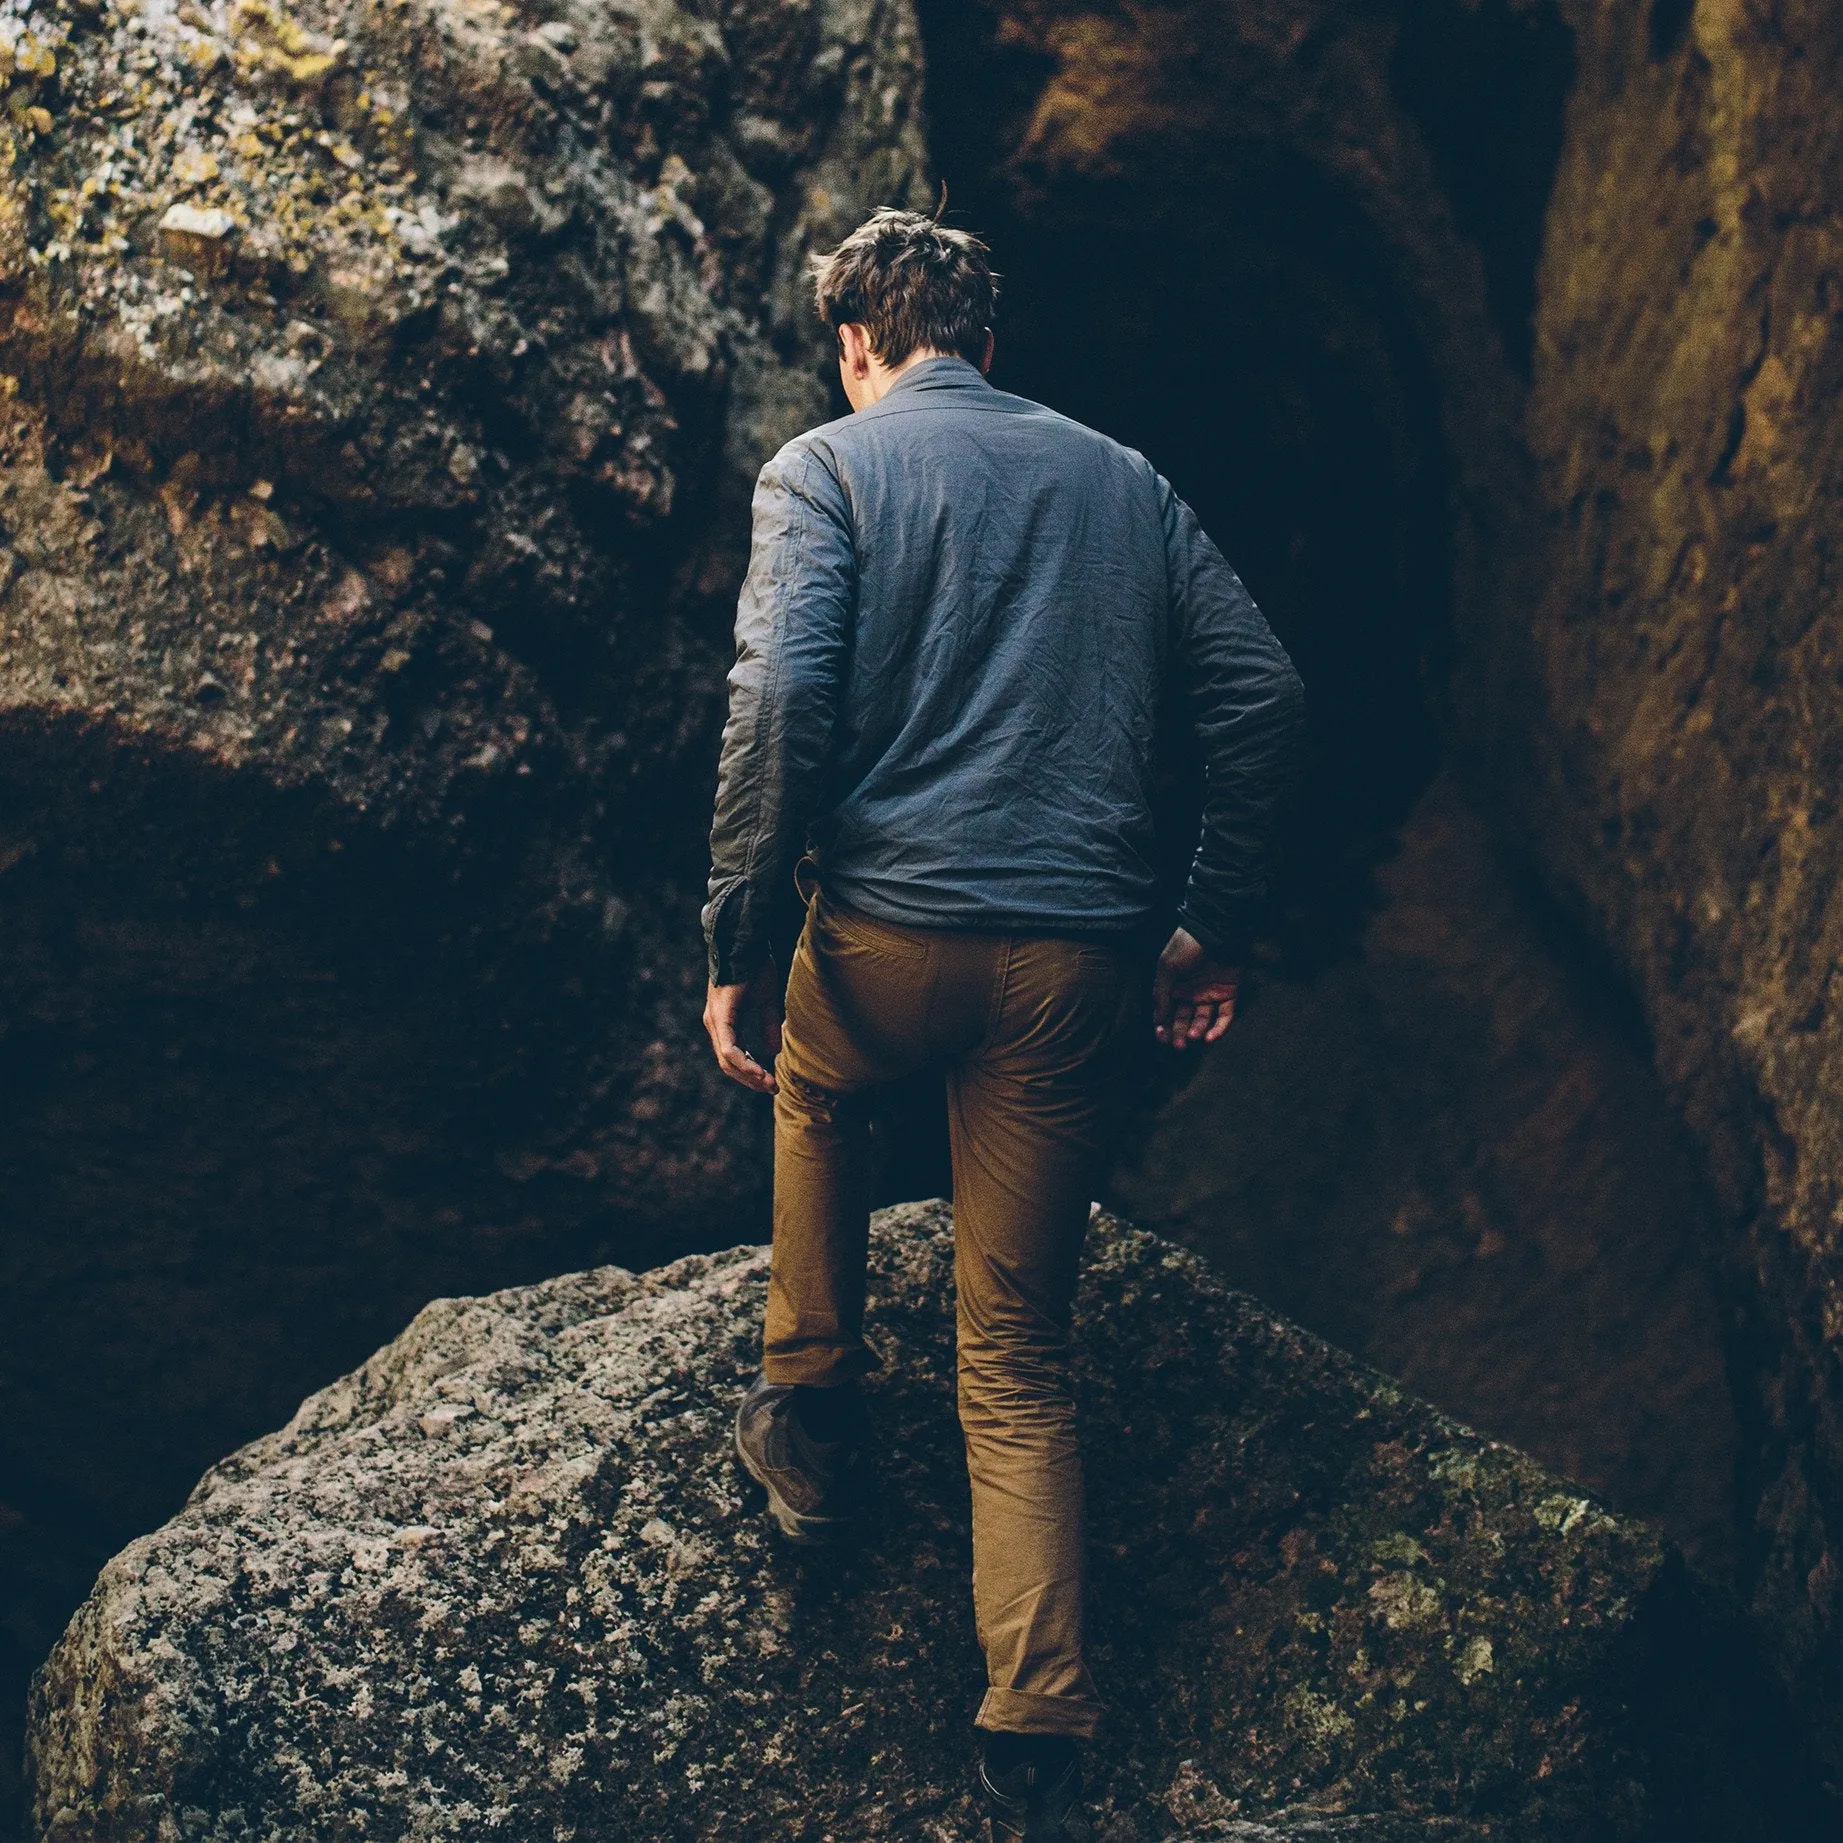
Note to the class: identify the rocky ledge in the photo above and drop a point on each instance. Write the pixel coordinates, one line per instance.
(505, 1581)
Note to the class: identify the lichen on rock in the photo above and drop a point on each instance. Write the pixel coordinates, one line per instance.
(508, 1577)
(413, 271)
(381, 389)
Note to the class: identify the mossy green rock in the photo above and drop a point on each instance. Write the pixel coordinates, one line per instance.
(506, 1580)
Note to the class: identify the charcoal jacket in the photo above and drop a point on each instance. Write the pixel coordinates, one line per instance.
(959, 612)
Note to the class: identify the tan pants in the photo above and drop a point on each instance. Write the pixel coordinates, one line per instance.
(1028, 1031)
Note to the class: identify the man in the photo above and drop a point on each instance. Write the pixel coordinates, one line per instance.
(959, 612)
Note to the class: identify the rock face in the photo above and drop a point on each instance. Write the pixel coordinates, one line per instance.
(1678, 689)
(385, 384)
(504, 1577)
(380, 391)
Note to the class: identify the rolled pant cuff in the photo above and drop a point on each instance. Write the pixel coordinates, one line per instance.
(1015, 1711)
(817, 1369)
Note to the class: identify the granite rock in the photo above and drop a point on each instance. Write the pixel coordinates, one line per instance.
(381, 389)
(505, 1579)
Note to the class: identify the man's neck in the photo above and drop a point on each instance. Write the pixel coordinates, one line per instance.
(880, 379)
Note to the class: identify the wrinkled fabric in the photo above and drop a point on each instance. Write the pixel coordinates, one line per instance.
(958, 617)
(1027, 1031)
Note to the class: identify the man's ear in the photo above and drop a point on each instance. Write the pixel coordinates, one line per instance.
(854, 347)
(991, 342)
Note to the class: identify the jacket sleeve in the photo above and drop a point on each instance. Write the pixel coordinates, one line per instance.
(793, 636)
(1248, 707)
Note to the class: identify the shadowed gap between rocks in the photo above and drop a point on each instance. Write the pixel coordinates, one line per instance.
(269, 1086)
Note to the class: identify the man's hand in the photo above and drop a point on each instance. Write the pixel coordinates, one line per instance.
(726, 1008)
(1193, 996)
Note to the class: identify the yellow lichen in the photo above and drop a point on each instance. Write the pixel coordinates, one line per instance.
(34, 58)
(194, 167)
(267, 39)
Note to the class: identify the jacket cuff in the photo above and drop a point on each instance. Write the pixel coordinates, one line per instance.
(734, 955)
(1223, 938)
(736, 963)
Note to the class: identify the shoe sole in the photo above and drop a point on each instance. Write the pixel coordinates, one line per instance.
(809, 1532)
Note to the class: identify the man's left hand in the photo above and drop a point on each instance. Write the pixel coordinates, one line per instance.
(726, 1009)
(1193, 995)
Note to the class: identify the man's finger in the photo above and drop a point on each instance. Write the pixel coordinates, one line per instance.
(1161, 1003)
(1225, 1016)
(721, 1005)
(740, 1066)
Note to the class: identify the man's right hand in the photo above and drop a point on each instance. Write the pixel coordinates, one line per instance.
(725, 1009)
(1193, 996)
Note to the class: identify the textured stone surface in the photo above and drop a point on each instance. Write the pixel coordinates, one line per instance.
(503, 1578)
(380, 391)
(302, 974)
(1678, 685)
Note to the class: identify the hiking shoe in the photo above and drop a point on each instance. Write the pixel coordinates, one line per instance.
(812, 1485)
(1021, 1808)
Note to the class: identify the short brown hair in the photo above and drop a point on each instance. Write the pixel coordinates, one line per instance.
(911, 283)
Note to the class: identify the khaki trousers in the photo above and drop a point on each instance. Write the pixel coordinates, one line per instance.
(1028, 1031)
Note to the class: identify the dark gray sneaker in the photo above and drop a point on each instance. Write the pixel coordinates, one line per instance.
(1020, 1808)
(812, 1485)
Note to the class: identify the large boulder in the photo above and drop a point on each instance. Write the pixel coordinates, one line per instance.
(505, 1580)
(381, 387)
(1678, 683)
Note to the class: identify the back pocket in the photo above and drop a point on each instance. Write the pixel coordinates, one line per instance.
(866, 933)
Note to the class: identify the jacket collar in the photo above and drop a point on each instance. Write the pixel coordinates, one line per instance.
(940, 374)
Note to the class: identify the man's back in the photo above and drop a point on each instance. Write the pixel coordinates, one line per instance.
(991, 759)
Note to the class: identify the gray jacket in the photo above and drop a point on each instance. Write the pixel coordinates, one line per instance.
(959, 612)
